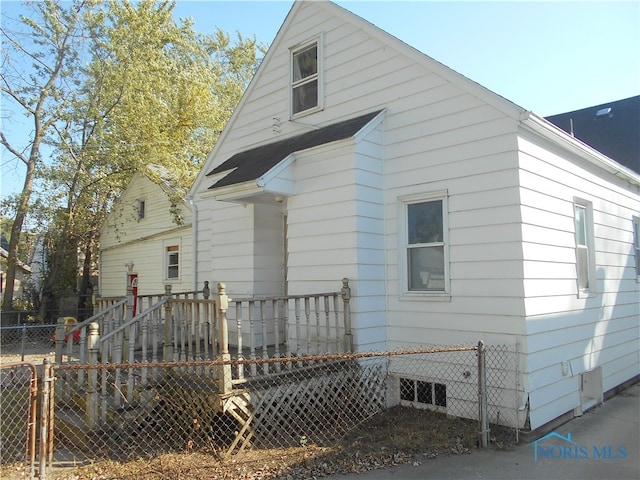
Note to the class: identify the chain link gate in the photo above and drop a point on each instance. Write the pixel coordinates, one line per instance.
(18, 429)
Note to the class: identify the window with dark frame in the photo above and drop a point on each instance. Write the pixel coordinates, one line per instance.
(305, 77)
(141, 209)
(420, 391)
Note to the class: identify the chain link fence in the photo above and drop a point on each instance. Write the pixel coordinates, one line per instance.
(294, 402)
(18, 390)
(27, 339)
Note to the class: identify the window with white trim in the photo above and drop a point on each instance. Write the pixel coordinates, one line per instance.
(585, 257)
(306, 78)
(172, 262)
(425, 248)
(636, 245)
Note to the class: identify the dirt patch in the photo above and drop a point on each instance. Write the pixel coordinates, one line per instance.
(396, 436)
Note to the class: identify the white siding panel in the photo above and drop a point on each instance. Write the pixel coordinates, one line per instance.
(496, 252)
(562, 327)
(485, 234)
(483, 270)
(486, 287)
(510, 198)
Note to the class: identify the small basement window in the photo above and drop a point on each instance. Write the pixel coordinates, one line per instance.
(423, 392)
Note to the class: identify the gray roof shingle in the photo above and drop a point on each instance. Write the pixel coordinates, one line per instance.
(611, 128)
(252, 164)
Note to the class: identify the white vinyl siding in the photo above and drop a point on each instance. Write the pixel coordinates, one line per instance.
(583, 331)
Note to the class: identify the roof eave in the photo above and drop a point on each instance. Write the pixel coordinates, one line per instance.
(238, 191)
(559, 136)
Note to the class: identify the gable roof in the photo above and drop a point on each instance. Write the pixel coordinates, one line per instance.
(507, 107)
(19, 264)
(255, 162)
(611, 128)
(497, 101)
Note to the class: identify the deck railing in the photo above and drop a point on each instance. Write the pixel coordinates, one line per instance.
(183, 328)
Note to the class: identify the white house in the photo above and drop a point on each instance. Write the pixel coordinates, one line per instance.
(23, 273)
(456, 214)
(141, 235)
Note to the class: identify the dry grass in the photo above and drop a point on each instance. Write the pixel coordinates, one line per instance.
(399, 435)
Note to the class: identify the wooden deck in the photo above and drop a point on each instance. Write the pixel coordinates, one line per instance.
(223, 354)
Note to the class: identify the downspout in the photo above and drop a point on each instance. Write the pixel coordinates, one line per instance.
(99, 292)
(194, 236)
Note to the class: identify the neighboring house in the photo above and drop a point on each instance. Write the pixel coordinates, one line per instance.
(23, 272)
(456, 214)
(611, 128)
(141, 230)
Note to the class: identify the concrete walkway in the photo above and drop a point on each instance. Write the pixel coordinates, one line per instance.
(602, 444)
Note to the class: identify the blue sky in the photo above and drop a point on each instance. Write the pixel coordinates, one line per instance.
(546, 56)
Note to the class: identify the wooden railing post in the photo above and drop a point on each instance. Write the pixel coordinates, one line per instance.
(92, 407)
(224, 376)
(129, 314)
(346, 312)
(167, 353)
(59, 337)
(60, 386)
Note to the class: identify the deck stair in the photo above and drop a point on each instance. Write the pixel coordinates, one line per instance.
(219, 350)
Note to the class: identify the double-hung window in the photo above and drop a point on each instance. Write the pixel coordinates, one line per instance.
(425, 246)
(585, 257)
(305, 78)
(172, 262)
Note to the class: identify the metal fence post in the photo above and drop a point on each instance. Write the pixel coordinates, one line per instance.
(46, 421)
(482, 395)
(24, 340)
(91, 408)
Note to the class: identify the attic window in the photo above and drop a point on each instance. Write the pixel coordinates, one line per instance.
(305, 78)
(604, 113)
